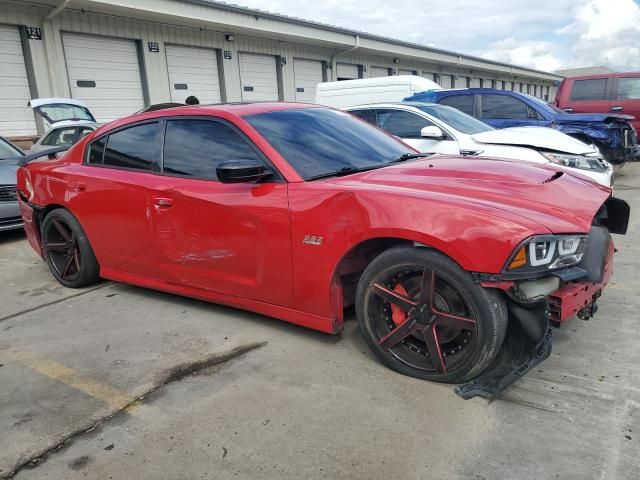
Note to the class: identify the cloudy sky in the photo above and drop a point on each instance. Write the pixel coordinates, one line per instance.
(542, 34)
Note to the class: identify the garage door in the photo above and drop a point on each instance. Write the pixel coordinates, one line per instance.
(307, 74)
(105, 74)
(376, 72)
(347, 71)
(406, 72)
(460, 82)
(193, 71)
(258, 77)
(475, 83)
(15, 117)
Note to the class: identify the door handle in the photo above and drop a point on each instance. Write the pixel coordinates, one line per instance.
(163, 202)
(568, 110)
(616, 109)
(78, 187)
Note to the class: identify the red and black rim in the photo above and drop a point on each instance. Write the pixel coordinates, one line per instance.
(62, 250)
(423, 319)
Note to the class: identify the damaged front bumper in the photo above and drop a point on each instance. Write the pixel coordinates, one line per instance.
(536, 306)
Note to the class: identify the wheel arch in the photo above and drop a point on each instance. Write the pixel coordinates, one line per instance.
(359, 254)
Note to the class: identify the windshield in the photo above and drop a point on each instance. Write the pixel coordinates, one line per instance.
(552, 109)
(8, 151)
(57, 112)
(456, 119)
(320, 141)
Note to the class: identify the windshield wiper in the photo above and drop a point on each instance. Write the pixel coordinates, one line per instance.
(410, 156)
(344, 171)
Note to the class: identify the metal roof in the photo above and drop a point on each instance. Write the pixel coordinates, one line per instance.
(333, 28)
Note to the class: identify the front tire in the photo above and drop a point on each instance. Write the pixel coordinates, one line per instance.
(67, 250)
(424, 316)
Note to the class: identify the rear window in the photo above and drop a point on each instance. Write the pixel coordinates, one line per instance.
(464, 103)
(589, 89)
(629, 88)
(134, 148)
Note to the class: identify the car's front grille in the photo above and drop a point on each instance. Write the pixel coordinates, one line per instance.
(8, 193)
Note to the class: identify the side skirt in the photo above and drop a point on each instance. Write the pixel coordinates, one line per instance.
(297, 317)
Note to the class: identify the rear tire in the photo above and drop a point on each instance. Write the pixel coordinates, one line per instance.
(424, 316)
(67, 250)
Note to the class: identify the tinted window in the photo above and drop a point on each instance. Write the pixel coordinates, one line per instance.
(319, 141)
(83, 132)
(196, 147)
(136, 147)
(60, 136)
(464, 103)
(502, 106)
(629, 88)
(366, 115)
(589, 89)
(96, 151)
(402, 124)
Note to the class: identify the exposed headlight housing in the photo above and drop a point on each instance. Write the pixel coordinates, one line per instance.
(547, 252)
(584, 162)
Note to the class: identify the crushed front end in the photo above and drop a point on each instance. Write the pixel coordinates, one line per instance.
(615, 137)
(540, 299)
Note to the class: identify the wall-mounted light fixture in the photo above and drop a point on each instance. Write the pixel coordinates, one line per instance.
(229, 37)
(395, 60)
(283, 61)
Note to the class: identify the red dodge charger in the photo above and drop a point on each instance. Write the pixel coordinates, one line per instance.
(456, 266)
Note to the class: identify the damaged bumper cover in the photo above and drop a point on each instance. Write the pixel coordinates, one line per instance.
(559, 296)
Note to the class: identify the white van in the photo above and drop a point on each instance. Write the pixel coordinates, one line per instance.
(349, 93)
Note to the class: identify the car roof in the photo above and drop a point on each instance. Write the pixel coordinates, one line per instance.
(594, 76)
(395, 104)
(222, 110)
(75, 123)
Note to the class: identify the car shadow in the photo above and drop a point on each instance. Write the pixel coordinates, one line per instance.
(280, 326)
(11, 236)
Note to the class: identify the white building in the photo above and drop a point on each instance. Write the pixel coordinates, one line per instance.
(120, 55)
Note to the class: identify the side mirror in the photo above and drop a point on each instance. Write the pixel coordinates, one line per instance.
(238, 171)
(432, 132)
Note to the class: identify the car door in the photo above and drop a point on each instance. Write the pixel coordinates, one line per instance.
(232, 239)
(590, 95)
(109, 193)
(407, 125)
(502, 111)
(626, 98)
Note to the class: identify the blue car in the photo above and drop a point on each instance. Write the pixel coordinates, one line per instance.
(611, 133)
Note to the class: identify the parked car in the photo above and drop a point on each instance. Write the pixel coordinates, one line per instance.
(9, 213)
(610, 132)
(607, 92)
(347, 93)
(296, 211)
(67, 119)
(433, 128)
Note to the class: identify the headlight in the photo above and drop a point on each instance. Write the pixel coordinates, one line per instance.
(547, 252)
(583, 162)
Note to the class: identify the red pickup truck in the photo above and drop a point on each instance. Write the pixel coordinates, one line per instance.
(602, 93)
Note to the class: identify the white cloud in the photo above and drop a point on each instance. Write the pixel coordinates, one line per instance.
(545, 34)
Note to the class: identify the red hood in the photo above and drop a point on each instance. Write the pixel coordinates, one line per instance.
(554, 199)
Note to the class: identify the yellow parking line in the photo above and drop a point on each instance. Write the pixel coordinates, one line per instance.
(73, 379)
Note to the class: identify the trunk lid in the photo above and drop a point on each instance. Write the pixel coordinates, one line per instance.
(57, 110)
